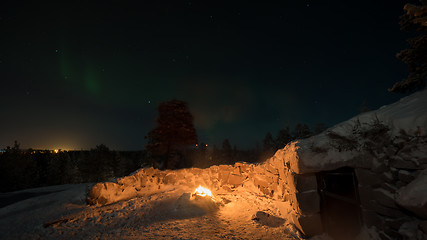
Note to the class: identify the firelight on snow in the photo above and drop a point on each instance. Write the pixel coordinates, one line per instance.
(202, 192)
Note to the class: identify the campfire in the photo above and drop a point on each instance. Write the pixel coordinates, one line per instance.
(199, 202)
(202, 192)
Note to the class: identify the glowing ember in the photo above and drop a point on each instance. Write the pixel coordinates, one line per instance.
(202, 192)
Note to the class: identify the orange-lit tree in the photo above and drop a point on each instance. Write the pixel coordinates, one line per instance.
(174, 133)
(415, 18)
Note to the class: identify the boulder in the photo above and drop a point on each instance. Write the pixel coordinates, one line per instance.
(388, 212)
(104, 193)
(384, 198)
(371, 218)
(243, 166)
(302, 182)
(170, 178)
(309, 225)
(260, 180)
(396, 223)
(306, 202)
(366, 195)
(413, 197)
(269, 220)
(423, 226)
(131, 180)
(400, 163)
(405, 176)
(236, 180)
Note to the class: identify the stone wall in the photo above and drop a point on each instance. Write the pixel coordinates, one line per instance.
(380, 188)
(264, 176)
(272, 178)
(223, 177)
(305, 201)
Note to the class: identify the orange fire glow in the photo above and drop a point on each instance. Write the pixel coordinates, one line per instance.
(202, 192)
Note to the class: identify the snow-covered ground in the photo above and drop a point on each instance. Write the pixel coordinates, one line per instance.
(168, 213)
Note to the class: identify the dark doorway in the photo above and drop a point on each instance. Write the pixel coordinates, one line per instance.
(340, 204)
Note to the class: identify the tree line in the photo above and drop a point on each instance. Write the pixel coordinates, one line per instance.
(173, 142)
(29, 168)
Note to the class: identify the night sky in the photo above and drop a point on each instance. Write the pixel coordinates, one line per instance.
(76, 74)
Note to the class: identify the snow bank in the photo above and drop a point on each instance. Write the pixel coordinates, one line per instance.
(25, 219)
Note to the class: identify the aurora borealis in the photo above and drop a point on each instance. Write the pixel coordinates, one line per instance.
(76, 74)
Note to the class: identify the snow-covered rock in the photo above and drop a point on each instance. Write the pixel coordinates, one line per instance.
(413, 197)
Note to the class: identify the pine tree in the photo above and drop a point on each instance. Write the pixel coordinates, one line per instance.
(226, 151)
(283, 138)
(174, 132)
(364, 107)
(319, 128)
(268, 143)
(200, 156)
(414, 18)
(301, 131)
